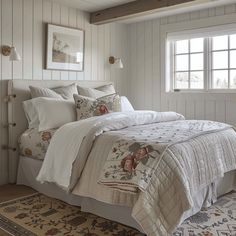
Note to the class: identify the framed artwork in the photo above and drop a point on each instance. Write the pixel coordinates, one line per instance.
(65, 48)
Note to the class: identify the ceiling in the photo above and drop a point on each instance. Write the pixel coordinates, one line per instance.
(92, 5)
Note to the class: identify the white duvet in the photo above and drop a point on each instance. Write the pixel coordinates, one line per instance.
(66, 142)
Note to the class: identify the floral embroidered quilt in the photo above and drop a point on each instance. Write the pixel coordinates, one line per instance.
(134, 157)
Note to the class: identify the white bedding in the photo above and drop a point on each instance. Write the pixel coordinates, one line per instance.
(56, 170)
(154, 202)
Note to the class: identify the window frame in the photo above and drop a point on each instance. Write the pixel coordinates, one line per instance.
(207, 66)
(189, 53)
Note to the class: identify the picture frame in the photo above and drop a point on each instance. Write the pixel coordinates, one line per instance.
(65, 48)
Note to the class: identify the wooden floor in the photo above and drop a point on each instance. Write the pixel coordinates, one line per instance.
(9, 192)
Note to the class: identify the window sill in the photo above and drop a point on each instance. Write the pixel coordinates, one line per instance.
(218, 91)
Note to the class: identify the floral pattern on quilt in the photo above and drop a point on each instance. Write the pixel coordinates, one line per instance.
(135, 156)
(88, 107)
(34, 144)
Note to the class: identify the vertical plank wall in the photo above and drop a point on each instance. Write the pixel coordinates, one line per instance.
(22, 24)
(146, 82)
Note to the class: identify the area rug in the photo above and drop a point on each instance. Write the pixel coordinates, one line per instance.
(41, 215)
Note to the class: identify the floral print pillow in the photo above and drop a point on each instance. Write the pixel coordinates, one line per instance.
(87, 107)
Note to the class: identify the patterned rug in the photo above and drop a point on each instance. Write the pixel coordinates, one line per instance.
(41, 215)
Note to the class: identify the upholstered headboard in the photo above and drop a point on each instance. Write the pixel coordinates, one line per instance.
(18, 91)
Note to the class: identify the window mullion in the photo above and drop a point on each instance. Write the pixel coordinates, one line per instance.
(189, 63)
(209, 71)
(205, 64)
(229, 62)
(173, 66)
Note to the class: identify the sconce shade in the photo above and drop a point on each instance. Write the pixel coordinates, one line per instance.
(119, 64)
(116, 62)
(14, 55)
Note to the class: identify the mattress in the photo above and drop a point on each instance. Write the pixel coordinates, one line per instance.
(34, 144)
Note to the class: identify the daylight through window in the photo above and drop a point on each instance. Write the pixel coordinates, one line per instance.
(203, 63)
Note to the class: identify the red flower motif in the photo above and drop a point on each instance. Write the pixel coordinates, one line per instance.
(207, 233)
(46, 136)
(141, 153)
(28, 152)
(53, 231)
(129, 163)
(103, 109)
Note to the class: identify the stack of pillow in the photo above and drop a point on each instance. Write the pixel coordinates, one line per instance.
(52, 108)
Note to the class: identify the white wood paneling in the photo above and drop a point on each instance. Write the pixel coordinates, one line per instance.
(27, 40)
(146, 55)
(23, 24)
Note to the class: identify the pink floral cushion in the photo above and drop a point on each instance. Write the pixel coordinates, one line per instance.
(87, 107)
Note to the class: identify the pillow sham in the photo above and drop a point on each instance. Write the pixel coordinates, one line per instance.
(43, 92)
(64, 92)
(87, 107)
(108, 88)
(31, 114)
(67, 91)
(96, 92)
(53, 113)
(125, 104)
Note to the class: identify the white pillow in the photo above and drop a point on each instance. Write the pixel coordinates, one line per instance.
(64, 92)
(53, 113)
(125, 104)
(31, 113)
(67, 91)
(108, 88)
(95, 93)
(43, 92)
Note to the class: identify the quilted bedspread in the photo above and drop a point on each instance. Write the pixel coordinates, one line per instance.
(168, 163)
(160, 157)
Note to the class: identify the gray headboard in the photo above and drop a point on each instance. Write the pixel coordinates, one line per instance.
(18, 91)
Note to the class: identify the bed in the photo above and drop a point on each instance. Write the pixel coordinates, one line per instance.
(95, 199)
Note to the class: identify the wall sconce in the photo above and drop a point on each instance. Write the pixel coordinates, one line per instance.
(11, 52)
(116, 62)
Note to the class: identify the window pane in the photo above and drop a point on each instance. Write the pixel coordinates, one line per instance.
(220, 60)
(181, 63)
(181, 80)
(233, 79)
(196, 45)
(196, 80)
(233, 59)
(181, 46)
(196, 61)
(233, 41)
(220, 42)
(220, 79)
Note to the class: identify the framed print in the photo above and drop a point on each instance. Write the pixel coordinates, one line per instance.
(65, 48)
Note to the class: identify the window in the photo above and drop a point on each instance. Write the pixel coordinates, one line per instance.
(189, 64)
(203, 63)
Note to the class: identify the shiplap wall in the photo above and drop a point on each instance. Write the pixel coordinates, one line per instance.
(146, 74)
(23, 24)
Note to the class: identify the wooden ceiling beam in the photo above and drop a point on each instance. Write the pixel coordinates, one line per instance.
(131, 9)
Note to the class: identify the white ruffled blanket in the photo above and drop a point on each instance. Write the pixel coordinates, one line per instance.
(180, 157)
